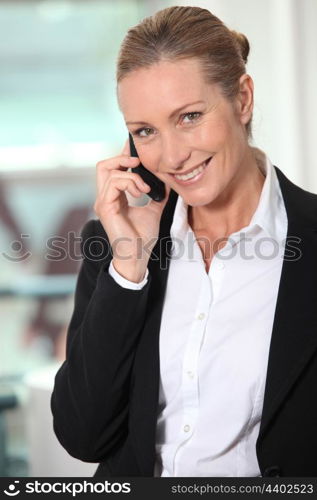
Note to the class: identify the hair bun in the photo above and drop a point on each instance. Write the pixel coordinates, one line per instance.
(243, 44)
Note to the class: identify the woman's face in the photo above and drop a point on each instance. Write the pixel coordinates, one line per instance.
(178, 122)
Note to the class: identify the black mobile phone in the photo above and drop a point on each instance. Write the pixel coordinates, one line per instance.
(157, 186)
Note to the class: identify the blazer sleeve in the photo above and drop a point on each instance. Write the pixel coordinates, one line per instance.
(90, 399)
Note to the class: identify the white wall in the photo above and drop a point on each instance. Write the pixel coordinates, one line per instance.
(283, 64)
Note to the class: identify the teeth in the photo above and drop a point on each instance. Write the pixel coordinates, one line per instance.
(192, 174)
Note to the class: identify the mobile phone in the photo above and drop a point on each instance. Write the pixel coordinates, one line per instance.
(157, 186)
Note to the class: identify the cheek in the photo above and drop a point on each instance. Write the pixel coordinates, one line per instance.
(149, 159)
(216, 133)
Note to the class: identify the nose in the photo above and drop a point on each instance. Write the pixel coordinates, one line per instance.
(174, 152)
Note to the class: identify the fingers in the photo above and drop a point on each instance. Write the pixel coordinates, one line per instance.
(120, 185)
(115, 175)
(114, 188)
(119, 163)
(118, 182)
(116, 162)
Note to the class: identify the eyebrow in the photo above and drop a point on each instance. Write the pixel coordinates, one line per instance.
(171, 115)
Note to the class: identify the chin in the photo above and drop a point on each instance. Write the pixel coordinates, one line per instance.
(198, 199)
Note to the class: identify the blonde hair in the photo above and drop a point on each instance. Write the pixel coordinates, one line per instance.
(180, 32)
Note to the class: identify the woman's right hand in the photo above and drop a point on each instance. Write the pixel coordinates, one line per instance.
(130, 229)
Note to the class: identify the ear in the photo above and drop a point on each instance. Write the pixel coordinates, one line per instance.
(244, 100)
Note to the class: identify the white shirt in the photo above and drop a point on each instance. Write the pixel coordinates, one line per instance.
(214, 342)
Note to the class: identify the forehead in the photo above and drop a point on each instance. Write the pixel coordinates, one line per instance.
(162, 86)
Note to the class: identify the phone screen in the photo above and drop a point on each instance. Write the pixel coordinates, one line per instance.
(157, 186)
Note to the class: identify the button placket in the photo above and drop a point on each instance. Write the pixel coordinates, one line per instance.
(216, 276)
(189, 388)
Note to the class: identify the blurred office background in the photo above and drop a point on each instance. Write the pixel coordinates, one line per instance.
(58, 117)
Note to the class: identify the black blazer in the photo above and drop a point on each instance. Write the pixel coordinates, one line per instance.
(105, 399)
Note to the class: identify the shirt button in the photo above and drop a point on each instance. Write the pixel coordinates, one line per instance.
(190, 374)
(186, 428)
(201, 316)
(221, 265)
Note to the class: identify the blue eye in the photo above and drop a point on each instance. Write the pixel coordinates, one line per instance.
(192, 116)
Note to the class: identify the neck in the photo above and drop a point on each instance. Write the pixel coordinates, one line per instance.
(234, 208)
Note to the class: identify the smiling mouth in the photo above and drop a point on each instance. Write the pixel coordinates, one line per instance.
(193, 173)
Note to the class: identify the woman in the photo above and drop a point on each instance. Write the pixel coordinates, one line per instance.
(192, 347)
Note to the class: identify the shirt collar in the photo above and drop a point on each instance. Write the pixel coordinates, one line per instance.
(270, 214)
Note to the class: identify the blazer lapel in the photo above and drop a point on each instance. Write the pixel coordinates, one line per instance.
(294, 333)
(147, 362)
